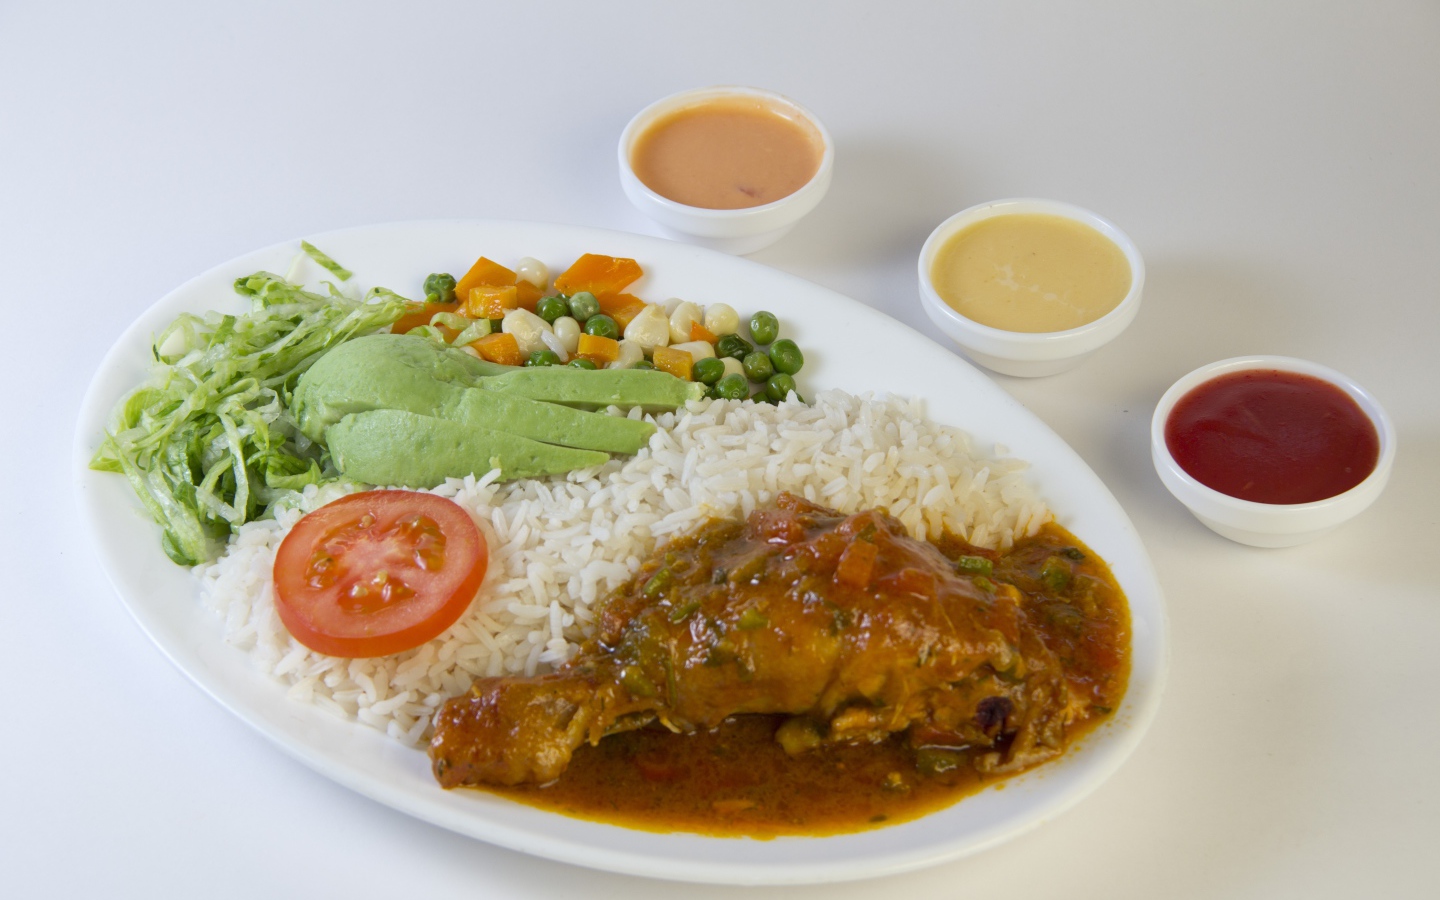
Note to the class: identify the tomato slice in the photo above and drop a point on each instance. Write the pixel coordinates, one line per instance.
(378, 572)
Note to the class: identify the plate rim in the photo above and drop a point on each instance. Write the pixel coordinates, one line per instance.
(598, 849)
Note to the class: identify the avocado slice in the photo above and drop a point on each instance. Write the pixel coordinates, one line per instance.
(415, 374)
(646, 388)
(395, 447)
(548, 422)
(381, 371)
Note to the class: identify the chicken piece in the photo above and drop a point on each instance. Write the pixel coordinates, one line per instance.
(847, 624)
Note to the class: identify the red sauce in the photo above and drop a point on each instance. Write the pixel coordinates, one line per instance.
(1272, 437)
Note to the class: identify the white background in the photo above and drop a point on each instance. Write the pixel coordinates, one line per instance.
(1277, 163)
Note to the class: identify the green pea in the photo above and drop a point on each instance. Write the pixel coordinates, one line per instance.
(786, 357)
(975, 565)
(440, 288)
(495, 325)
(764, 327)
(1055, 574)
(757, 366)
(581, 363)
(583, 305)
(602, 326)
(732, 387)
(733, 346)
(752, 619)
(682, 612)
(552, 308)
(937, 760)
(634, 681)
(543, 358)
(658, 583)
(779, 386)
(708, 370)
(643, 364)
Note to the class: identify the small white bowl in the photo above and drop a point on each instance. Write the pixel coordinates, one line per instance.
(1270, 524)
(1025, 354)
(738, 231)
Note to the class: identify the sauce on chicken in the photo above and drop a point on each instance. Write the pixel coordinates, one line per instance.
(804, 672)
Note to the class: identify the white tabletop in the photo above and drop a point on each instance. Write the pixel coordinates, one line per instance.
(1276, 163)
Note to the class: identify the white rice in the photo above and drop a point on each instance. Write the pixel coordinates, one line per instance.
(558, 545)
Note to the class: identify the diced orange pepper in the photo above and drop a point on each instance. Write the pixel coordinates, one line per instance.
(699, 332)
(484, 272)
(676, 362)
(908, 581)
(489, 302)
(598, 275)
(420, 315)
(499, 348)
(621, 307)
(597, 349)
(527, 295)
(857, 564)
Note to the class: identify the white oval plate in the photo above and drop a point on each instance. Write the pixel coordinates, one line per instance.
(847, 345)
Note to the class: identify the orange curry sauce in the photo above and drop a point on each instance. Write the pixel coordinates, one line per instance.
(737, 781)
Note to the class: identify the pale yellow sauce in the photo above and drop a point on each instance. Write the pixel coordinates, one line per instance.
(1030, 272)
(727, 153)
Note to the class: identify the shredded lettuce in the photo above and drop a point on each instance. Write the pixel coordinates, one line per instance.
(319, 256)
(209, 443)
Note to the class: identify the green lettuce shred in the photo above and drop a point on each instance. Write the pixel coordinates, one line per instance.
(320, 257)
(209, 444)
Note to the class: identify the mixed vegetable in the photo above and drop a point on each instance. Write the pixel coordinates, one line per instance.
(586, 320)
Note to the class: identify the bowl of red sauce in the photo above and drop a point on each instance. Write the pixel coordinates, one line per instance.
(1271, 451)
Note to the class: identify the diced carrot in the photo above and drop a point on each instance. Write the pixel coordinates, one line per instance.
(499, 348)
(909, 581)
(484, 272)
(420, 315)
(699, 332)
(857, 565)
(775, 526)
(621, 307)
(676, 362)
(597, 349)
(527, 295)
(598, 275)
(491, 302)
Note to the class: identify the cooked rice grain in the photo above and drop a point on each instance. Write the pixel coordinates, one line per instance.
(559, 545)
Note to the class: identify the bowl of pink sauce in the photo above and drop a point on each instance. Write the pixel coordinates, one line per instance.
(730, 168)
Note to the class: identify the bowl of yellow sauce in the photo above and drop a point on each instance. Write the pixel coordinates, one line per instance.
(1030, 287)
(731, 168)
